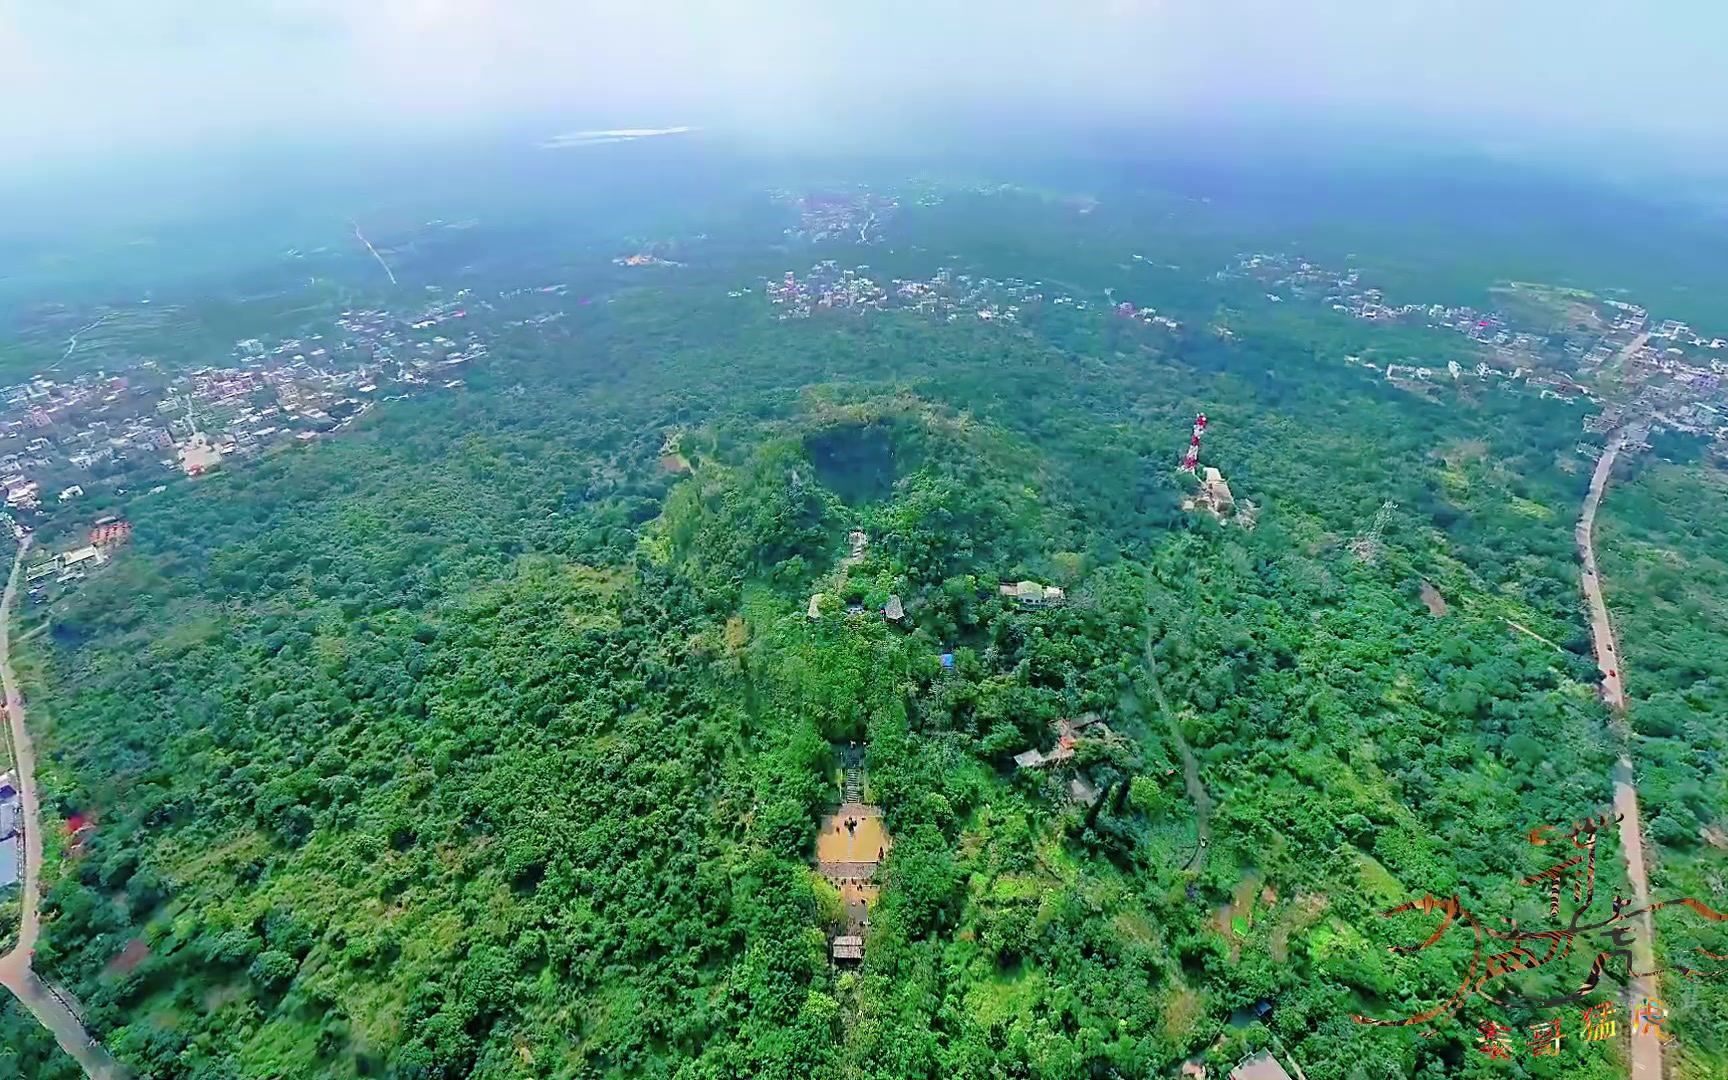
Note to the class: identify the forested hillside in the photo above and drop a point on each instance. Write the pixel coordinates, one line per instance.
(491, 738)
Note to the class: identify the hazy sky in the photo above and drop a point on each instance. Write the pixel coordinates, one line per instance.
(105, 77)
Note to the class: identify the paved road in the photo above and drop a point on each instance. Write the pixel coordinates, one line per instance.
(1617, 366)
(1646, 1049)
(25, 756)
(15, 974)
(1601, 630)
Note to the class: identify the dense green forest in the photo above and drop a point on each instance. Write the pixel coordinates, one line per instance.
(26, 1049)
(484, 741)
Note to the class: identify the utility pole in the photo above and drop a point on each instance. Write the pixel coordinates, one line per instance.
(1367, 546)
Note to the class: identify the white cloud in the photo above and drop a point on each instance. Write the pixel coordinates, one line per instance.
(112, 72)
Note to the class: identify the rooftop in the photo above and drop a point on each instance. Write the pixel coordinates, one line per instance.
(1030, 592)
(1260, 1067)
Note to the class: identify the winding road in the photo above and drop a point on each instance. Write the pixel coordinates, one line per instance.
(1646, 1061)
(50, 1010)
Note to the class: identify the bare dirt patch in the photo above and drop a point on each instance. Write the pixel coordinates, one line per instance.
(135, 953)
(853, 835)
(1431, 597)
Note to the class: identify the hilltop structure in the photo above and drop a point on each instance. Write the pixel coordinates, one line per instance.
(1213, 497)
(1068, 734)
(1030, 593)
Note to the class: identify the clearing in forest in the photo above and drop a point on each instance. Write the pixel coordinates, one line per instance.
(850, 847)
(1431, 597)
(853, 835)
(1235, 919)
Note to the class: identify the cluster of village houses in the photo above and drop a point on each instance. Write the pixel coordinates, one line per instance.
(855, 218)
(59, 436)
(946, 295)
(1674, 371)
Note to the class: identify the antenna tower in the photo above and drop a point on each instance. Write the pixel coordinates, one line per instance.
(1191, 460)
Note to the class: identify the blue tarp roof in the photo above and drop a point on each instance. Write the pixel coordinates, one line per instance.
(9, 856)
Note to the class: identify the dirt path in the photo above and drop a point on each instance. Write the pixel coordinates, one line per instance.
(1522, 629)
(15, 974)
(1190, 765)
(1646, 1061)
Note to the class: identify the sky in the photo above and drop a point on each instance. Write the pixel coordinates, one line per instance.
(86, 80)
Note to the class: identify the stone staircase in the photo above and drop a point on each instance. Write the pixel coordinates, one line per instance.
(854, 779)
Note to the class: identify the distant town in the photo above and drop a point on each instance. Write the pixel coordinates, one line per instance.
(64, 439)
(946, 294)
(1607, 351)
(855, 217)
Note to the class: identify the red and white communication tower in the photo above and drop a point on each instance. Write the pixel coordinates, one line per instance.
(1191, 460)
